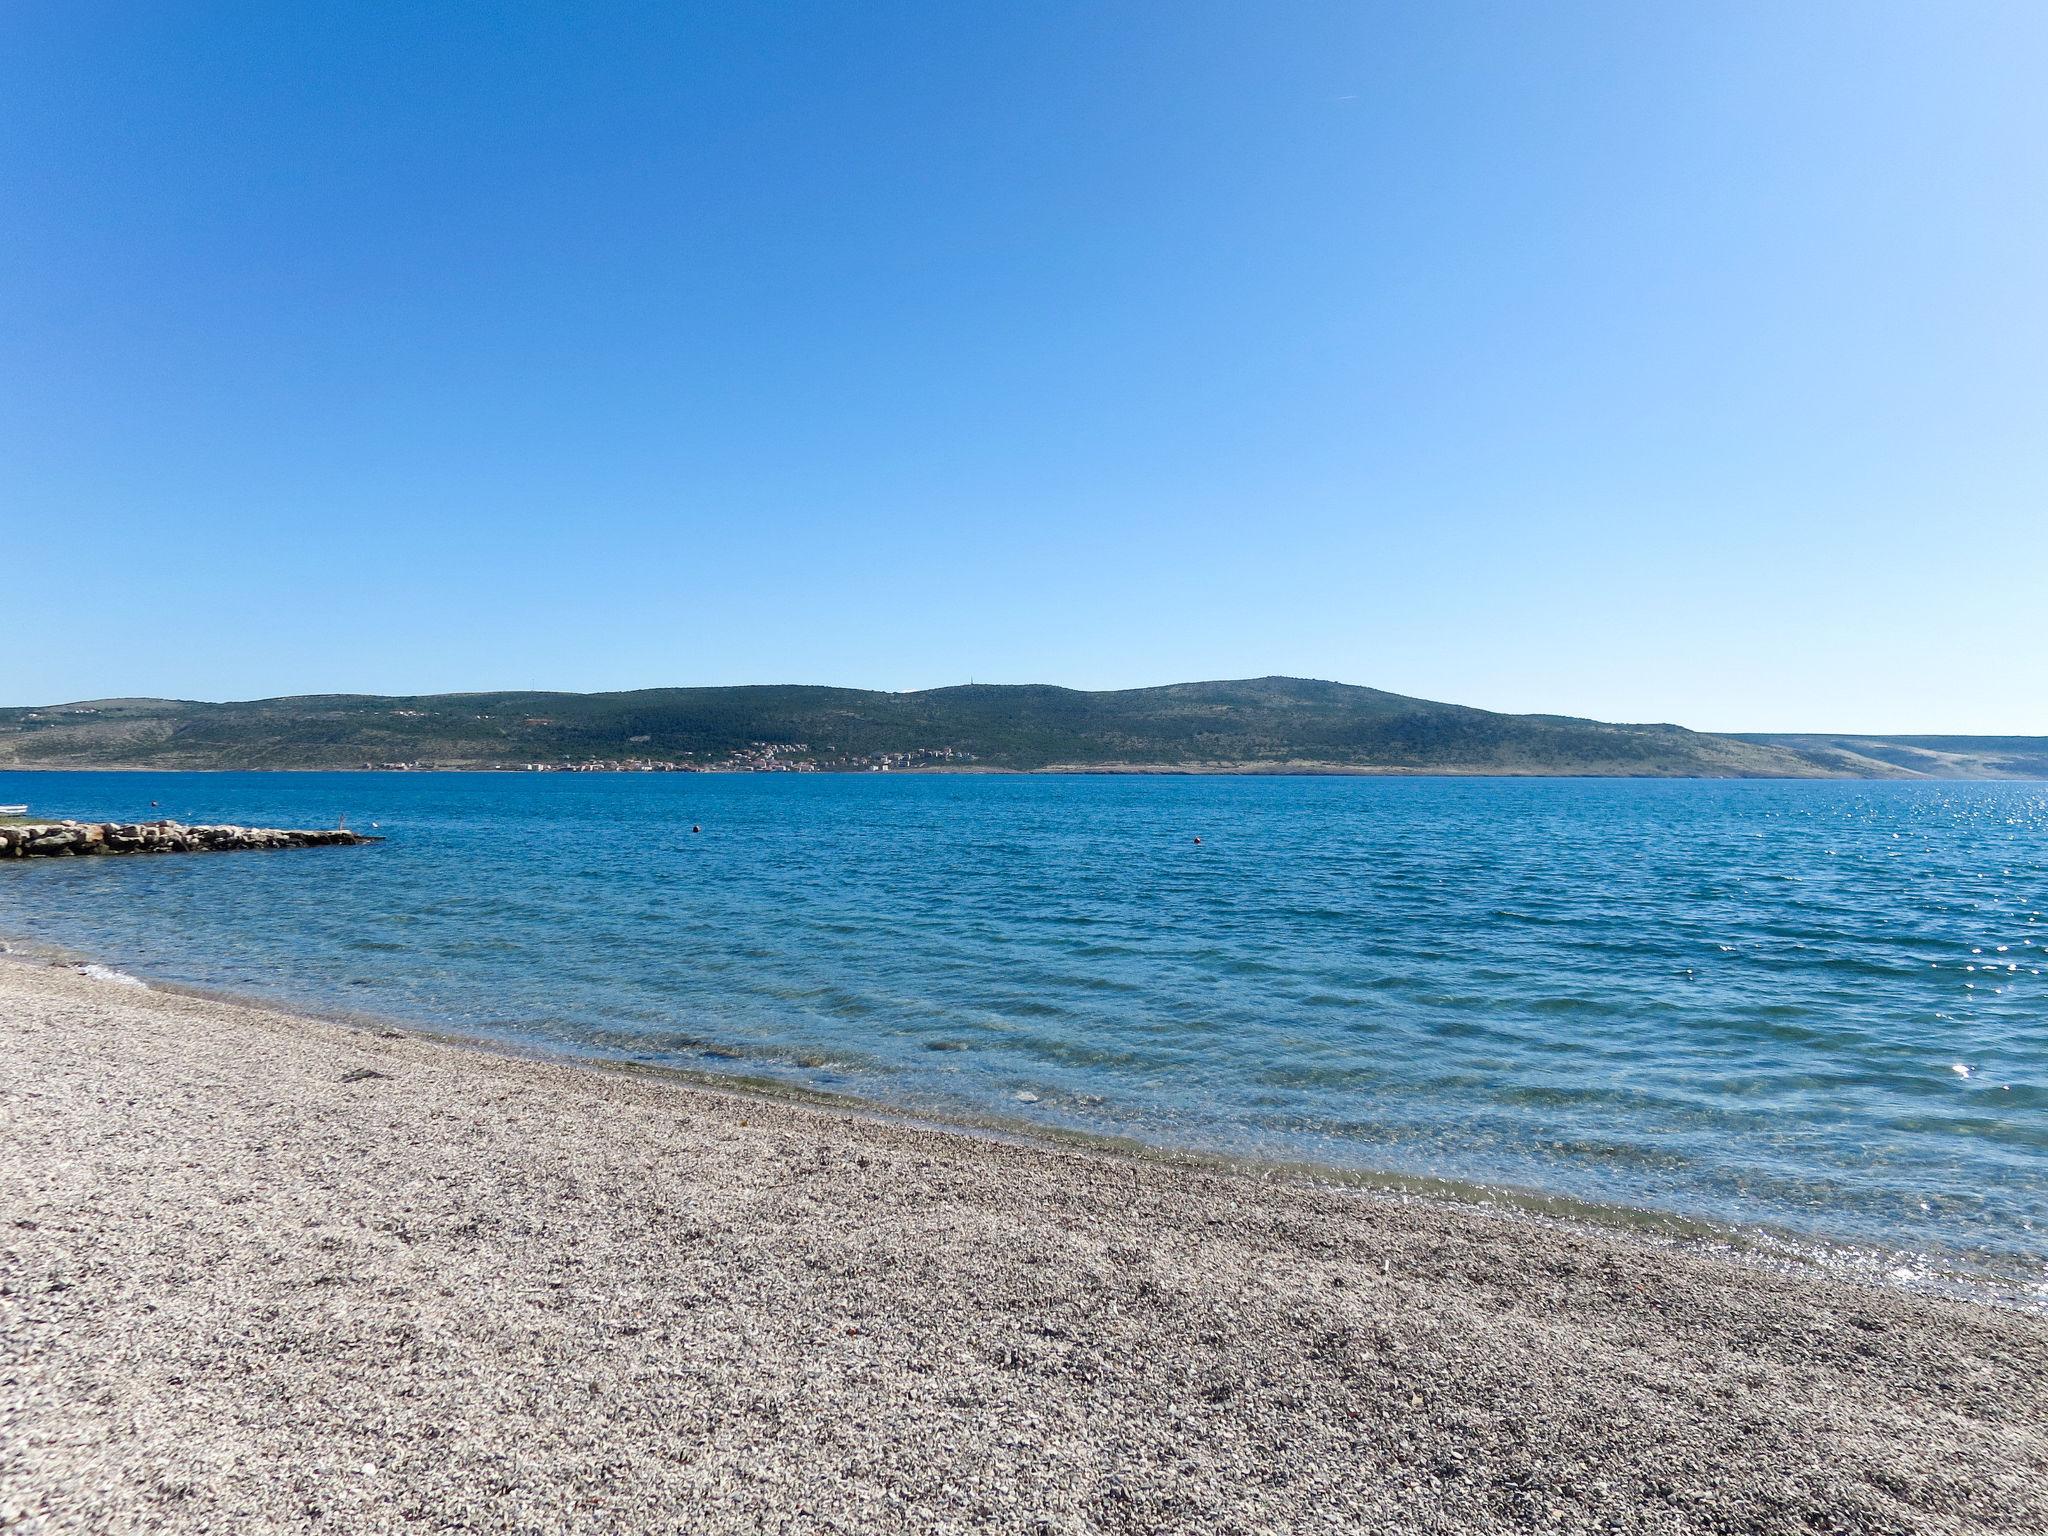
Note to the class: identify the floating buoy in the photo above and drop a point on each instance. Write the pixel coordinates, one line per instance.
(1198, 839)
(695, 828)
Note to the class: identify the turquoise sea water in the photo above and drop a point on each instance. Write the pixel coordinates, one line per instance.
(1816, 1009)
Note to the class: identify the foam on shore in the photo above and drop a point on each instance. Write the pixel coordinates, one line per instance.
(108, 974)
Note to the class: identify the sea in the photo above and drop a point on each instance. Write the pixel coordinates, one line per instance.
(1807, 1019)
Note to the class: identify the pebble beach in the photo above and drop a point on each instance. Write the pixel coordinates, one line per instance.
(262, 1272)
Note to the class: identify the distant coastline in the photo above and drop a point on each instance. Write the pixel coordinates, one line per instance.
(1273, 725)
(1070, 770)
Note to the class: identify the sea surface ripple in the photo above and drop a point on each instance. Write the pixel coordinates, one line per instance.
(1811, 1009)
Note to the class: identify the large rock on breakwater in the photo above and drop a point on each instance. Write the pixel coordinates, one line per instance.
(33, 839)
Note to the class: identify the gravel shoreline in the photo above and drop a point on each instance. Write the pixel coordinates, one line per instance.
(266, 1273)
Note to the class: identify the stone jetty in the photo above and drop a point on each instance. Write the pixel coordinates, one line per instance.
(33, 839)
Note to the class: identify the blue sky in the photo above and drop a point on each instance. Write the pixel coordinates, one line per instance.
(1677, 362)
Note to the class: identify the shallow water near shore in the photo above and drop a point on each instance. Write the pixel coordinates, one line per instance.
(1814, 1008)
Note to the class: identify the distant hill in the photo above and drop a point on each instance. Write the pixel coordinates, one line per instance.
(1919, 757)
(1272, 724)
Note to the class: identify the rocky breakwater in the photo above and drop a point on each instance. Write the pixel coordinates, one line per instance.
(61, 838)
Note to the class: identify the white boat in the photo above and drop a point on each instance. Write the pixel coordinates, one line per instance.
(13, 810)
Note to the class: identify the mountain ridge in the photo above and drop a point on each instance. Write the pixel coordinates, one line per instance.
(1267, 724)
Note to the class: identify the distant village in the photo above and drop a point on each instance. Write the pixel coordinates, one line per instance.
(754, 757)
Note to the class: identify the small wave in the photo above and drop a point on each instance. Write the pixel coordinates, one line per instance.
(109, 974)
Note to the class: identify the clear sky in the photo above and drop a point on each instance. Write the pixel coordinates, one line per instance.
(1644, 361)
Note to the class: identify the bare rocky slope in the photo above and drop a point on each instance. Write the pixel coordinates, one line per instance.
(1918, 757)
